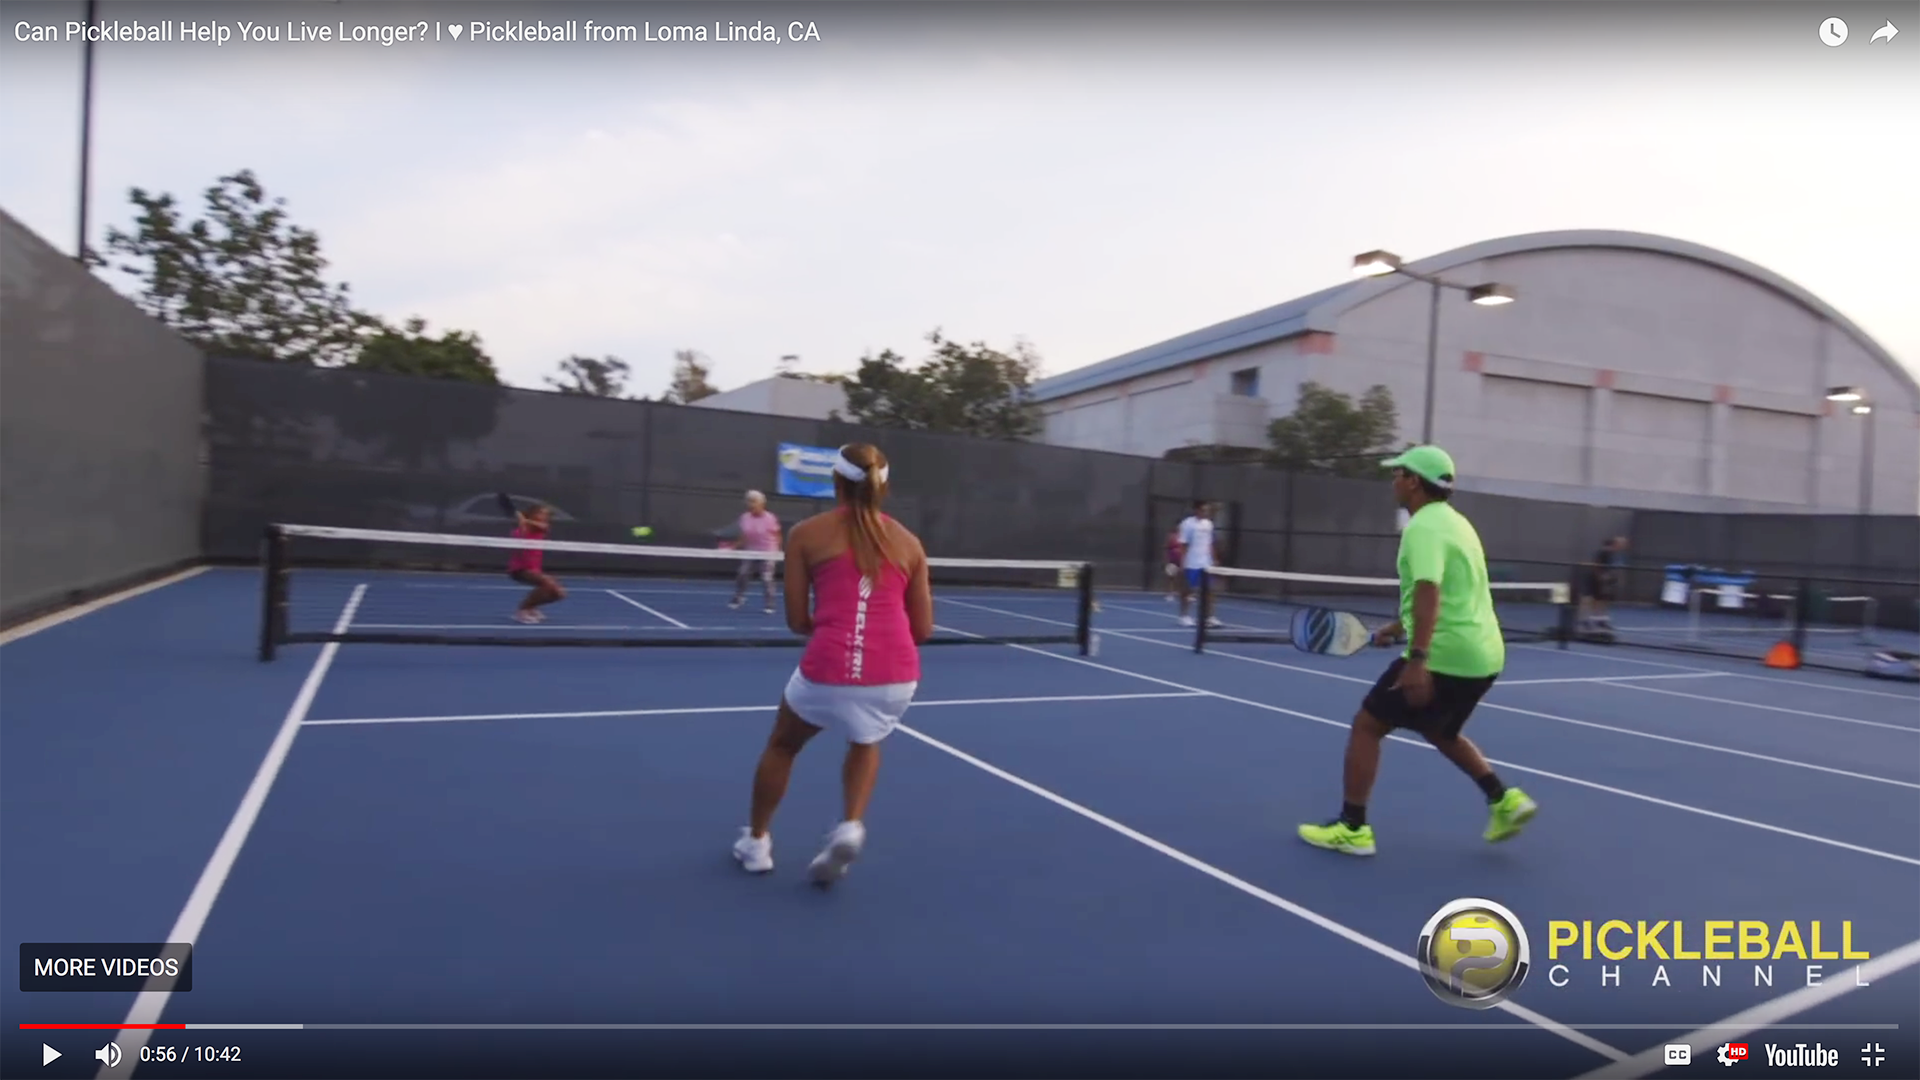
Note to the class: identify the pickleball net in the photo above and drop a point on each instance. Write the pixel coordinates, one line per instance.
(371, 586)
(1257, 606)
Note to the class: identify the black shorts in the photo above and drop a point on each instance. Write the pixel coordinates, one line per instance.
(1600, 586)
(1454, 699)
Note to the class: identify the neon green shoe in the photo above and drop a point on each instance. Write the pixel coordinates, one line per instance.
(1510, 815)
(1337, 835)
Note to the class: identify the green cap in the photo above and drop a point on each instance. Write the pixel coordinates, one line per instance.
(1429, 463)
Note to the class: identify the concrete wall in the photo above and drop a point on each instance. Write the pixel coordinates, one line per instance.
(1622, 378)
(1629, 378)
(101, 480)
(1191, 406)
(781, 396)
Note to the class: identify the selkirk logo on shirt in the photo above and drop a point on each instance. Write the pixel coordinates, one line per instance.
(857, 652)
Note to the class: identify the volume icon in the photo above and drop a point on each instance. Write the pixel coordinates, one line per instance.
(109, 1055)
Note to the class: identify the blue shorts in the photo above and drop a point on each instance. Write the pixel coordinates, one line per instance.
(1194, 574)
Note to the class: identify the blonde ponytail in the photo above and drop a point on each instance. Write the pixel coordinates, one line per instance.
(862, 488)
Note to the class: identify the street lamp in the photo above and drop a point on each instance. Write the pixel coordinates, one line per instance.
(1862, 406)
(86, 131)
(1490, 294)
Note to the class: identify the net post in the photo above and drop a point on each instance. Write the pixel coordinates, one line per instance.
(1204, 604)
(1803, 596)
(1084, 622)
(1568, 616)
(1155, 548)
(273, 564)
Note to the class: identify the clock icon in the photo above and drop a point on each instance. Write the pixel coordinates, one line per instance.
(1834, 32)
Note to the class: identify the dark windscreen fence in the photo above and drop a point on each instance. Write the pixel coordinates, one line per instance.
(361, 450)
(1860, 546)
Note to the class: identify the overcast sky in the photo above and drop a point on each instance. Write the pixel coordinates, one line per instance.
(1091, 179)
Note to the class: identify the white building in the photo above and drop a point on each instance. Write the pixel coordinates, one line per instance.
(782, 395)
(1633, 371)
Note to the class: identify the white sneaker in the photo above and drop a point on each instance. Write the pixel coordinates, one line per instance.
(1186, 620)
(843, 847)
(734, 604)
(756, 856)
(1215, 623)
(527, 617)
(769, 609)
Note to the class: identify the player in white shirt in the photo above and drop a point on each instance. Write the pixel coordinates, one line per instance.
(1196, 548)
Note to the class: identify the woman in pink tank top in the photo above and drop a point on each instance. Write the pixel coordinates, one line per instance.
(528, 565)
(871, 608)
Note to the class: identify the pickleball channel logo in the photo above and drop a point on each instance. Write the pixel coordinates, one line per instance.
(1473, 953)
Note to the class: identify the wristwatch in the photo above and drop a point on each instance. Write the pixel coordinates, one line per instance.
(1417, 654)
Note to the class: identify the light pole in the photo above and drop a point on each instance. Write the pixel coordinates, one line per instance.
(1382, 263)
(86, 132)
(1862, 406)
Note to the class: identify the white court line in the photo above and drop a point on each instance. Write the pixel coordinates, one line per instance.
(151, 1003)
(1910, 729)
(516, 627)
(699, 710)
(1802, 683)
(645, 608)
(1288, 906)
(1609, 789)
(1610, 678)
(1764, 1015)
(504, 624)
(1707, 746)
(1914, 698)
(1711, 747)
(48, 622)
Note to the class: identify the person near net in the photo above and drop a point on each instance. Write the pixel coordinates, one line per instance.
(1602, 584)
(1455, 652)
(872, 609)
(1175, 575)
(759, 531)
(1196, 558)
(527, 565)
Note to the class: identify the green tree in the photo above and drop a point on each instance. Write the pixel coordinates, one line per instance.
(1328, 432)
(242, 280)
(588, 377)
(690, 374)
(455, 354)
(965, 389)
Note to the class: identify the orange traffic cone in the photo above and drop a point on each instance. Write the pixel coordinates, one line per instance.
(1783, 655)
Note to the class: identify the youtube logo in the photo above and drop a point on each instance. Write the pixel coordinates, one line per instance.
(1732, 1052)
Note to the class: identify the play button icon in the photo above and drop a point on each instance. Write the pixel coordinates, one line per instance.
(47, 1054)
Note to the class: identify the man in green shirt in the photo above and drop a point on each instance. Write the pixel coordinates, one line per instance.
(1455, 653)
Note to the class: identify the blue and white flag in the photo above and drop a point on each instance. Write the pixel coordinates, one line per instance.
(806, 471)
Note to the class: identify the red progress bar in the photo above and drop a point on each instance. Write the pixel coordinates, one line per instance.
(103, 1027)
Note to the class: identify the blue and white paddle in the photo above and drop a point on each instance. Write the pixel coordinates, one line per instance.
(1329, 633)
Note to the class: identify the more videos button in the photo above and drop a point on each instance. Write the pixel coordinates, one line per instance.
(92, 967)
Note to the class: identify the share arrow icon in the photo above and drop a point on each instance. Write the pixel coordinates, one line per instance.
(1885, 33)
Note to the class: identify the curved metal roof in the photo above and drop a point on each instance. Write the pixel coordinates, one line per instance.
(1321, 311)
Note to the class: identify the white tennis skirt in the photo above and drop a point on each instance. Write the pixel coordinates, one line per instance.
(865, 714)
